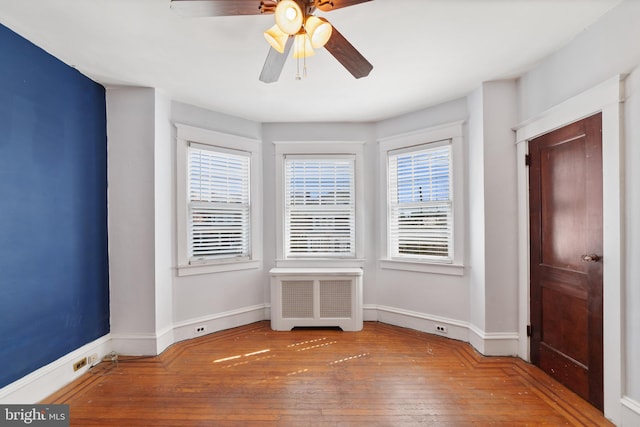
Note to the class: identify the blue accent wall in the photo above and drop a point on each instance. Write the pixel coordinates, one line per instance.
(54, 277)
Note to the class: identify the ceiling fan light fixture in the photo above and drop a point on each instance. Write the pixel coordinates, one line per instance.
(319, 31)
(302, 46)
(276, 38)
(289, 16)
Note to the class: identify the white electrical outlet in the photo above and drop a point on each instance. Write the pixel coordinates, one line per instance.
(200, 330)
(441, 329)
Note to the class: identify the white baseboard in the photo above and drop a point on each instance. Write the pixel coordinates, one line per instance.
(45, 381)
(135, 344)
(142, 344)
(370, 313)
(164, 339)
(154, 344)
(494, 343)
(630, 412)
(487, 343)
(422, 322)
(218, 322)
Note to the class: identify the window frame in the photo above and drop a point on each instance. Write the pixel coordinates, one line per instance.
(417, 141)
(319, 149)
(223, 143)
(234, 205)
(394, 253)
(351, 207)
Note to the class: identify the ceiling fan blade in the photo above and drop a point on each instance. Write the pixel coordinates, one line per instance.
(196, 8)
(348, 55)
(328, 5)
(275, 62)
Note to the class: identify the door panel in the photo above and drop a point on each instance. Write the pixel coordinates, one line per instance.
(569, 318)
(565, 196)
(563, 203)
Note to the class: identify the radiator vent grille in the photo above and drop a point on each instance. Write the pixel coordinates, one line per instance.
(335, 298)
(297, 299)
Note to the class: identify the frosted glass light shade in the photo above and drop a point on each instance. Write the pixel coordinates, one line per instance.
(289, 16)
(319, 31)
(276, 38)
(302, 46)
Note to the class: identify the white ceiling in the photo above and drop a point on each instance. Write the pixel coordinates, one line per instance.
(424, 52)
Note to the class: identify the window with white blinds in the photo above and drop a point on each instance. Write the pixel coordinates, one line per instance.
(219, 203)
(420, 203)
(319, 206)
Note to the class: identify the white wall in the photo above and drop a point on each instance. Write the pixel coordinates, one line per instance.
(163, 222)
(229, 298)
(500, 195)
(318, 133)
(217, 300)
(130, 142)
(606, 49)
(416, 299)
(476, 166)
(139, 174)
(444, 113)
(493, 257)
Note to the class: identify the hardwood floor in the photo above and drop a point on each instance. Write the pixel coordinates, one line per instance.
(382, 376)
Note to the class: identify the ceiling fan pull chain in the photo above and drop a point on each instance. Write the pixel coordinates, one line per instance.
(304, 59)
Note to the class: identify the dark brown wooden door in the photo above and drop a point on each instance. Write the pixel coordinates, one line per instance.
(565, 194)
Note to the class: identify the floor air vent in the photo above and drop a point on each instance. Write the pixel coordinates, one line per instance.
(316, 297)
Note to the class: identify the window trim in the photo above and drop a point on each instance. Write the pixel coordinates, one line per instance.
(224, 142)
(319, 149)
(452, 132)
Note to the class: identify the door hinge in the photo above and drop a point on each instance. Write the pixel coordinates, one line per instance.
(527, 160)
(529, 330)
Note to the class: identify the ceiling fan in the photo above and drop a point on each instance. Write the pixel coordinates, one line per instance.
(296, 27)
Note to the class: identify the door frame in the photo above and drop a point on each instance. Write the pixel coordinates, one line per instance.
(608, 98)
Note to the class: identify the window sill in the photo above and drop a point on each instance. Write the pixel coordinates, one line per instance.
(423, 267)
(219, 267)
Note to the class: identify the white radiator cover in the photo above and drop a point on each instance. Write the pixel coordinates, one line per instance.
(316, 297)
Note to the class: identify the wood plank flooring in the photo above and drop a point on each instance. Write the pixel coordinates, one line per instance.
(382, 376)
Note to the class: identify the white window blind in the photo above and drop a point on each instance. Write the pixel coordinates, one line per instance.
(319, 207)
(420, 203)
(219, 203)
